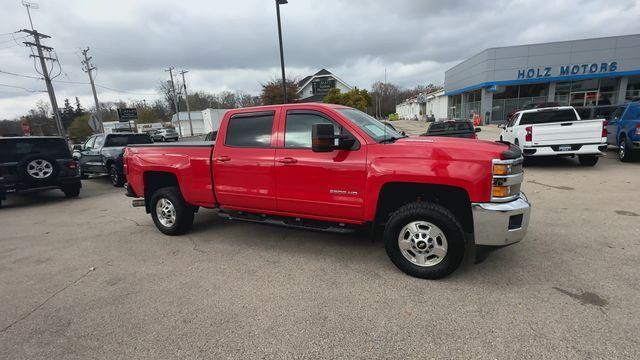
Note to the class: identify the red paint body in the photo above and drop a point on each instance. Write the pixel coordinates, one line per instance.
(340, 186)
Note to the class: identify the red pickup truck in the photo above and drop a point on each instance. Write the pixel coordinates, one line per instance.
(335, 168)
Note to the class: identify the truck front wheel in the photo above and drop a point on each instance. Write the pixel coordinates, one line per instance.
(424, 240)
(171, 214)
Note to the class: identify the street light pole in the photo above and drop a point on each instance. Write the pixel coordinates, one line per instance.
(284, 81)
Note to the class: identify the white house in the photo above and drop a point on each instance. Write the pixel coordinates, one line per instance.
(315, 87)
(432, 105)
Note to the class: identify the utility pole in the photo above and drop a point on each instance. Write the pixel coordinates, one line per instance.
(88, 67)
(284, 81)
(175, 99)
(186, 98)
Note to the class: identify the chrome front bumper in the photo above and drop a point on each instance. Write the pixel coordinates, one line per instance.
(499, 224)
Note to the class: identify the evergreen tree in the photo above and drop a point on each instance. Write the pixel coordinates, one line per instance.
(79, 110)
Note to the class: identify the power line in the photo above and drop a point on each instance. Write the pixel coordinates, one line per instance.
(20, 75)
(23, 88)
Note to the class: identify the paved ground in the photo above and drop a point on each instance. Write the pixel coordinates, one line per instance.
(92, 278)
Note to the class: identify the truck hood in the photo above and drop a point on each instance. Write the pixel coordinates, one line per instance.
(448, 147)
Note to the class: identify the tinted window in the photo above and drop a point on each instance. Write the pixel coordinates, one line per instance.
(99, 141)
(127, 139)
(633, 112)
(12, 150)
(250, 131)
(616, 114)
(436, 127)
(374, 128)
(90, 142)
(544, 117)
(298, 129)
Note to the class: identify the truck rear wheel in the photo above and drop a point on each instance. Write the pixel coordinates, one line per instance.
(424, 240)
(587, 160)
(170, 213)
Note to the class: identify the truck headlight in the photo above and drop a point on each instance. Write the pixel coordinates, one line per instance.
(507, 176)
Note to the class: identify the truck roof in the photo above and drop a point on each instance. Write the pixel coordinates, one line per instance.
(271, 107)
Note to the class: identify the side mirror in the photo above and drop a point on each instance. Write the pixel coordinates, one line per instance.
(478, 129)
(502, 126)
(76, 155)
(322, 138)
(77, 147)
(403, 133)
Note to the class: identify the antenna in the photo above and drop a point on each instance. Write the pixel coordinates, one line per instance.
(28, 5)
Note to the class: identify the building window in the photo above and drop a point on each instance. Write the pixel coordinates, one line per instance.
(508, 99)
(590, 92)
(633, 88)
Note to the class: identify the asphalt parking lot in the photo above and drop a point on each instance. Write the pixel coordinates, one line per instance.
(92, 278)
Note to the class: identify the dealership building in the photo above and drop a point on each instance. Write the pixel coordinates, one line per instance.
(589, 72)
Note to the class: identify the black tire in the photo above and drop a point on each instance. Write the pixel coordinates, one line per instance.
(117, 177)
(184, 212)
(441, 218)
(624, 153)
(587, 160)
(163, 139)
(517, 143)
(71, 191)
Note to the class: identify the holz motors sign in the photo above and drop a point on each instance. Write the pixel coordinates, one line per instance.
(568, 70)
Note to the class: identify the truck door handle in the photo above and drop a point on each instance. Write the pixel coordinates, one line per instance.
(287, 160)
(566, 124)
(223, 158)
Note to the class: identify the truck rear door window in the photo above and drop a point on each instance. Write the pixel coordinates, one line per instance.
(250, 131)
(12, 150)
(545, 117)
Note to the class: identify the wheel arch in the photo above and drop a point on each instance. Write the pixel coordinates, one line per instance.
(154, 180)
(395, 194)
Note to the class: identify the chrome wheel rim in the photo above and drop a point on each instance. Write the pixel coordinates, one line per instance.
(623, 146)
(165, 212)
(39, 169)
(422, 243)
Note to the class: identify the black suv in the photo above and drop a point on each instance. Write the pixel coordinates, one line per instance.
(102, 154)
(37, 162)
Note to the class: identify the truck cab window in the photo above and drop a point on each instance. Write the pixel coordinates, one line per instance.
(99, 141)
(298, 129)
(250, 131)
(89, 143)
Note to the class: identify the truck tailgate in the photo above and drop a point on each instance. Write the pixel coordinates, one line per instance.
(570, 132)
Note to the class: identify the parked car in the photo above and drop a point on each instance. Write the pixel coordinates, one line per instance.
(37, 163)
(165, 135)
(623, 130)
(453, 128)
(99, 154)
(333, 168)
(557, 131)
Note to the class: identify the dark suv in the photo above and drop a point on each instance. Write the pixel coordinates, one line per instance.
(102, 154)
(28, 163)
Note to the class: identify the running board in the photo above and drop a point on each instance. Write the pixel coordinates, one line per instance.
(296, 223)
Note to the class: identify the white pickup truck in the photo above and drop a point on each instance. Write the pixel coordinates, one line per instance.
(557, 131)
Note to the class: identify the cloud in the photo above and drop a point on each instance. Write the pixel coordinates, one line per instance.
(234, 45)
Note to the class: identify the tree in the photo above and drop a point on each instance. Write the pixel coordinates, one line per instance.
(40, 119)
(355, 98)
(68, 114)
(79, 110)
(272, 92)
(10, 128)
(79, 129)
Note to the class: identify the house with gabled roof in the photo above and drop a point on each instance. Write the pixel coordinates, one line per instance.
(314, 88)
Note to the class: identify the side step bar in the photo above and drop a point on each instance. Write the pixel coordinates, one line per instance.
(296, 223)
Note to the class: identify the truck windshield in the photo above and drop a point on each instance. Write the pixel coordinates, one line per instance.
(548, 116)
(378, 131)
(127, 139)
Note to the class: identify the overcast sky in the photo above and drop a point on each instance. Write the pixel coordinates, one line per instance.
(233, 45)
